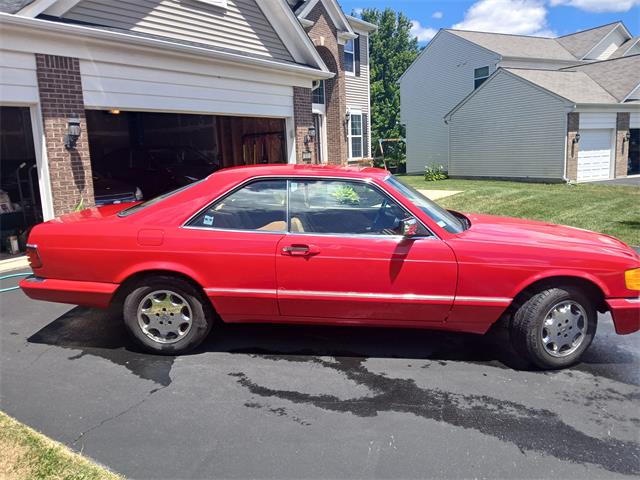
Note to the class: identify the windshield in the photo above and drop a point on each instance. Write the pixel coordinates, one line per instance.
(140, 206)
(438, 214)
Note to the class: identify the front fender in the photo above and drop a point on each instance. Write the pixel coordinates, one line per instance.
(548, 274)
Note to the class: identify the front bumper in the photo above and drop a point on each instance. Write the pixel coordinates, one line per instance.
(626, 314)
(89, 294)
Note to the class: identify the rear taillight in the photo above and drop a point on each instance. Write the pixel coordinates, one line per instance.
(33, 256)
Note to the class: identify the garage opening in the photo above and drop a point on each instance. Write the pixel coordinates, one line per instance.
(633, 167)
(138, 155)
(20, 204)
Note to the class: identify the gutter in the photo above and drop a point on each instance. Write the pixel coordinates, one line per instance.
(162, 45)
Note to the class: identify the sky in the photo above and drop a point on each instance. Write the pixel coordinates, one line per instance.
(549, 18)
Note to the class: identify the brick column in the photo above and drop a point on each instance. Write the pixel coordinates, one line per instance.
(324, 35)
(623, 121)
(60, 99)
(573, 125)
(303, 117)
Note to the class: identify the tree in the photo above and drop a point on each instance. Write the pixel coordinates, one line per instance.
(392, 50)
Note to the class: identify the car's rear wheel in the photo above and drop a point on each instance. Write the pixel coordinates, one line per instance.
(167, 315)
(553, 328)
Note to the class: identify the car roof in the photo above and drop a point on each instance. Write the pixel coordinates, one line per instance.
(283, 169)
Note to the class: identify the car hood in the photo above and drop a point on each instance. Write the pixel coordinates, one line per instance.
(539, 234)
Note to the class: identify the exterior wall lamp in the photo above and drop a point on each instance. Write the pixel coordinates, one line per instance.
(73, 133)
(310, 136)
(576, 139)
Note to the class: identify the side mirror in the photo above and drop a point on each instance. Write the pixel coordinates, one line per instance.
(409, 227)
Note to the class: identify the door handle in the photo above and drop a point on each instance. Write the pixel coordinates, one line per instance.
(300, 250)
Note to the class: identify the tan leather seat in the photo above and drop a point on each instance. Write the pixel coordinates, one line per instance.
(277, 226)
(296, 225)
(281, 226)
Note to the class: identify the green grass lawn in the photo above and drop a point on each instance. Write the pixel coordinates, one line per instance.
(614, 210)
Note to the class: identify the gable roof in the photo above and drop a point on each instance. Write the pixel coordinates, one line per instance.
(517, 45)
(581, 43)
(577, 87)
(333, 9)
(625, 47)
(617, 76)
(13, 6)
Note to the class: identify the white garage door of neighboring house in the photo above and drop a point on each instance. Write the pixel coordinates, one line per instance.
(594, 154)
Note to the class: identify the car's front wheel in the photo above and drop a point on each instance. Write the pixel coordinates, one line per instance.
(167, 315)
(553, 328)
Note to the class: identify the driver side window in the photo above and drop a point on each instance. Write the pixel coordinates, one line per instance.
(342, 207)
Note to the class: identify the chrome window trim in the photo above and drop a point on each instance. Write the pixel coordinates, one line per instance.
(288, 178)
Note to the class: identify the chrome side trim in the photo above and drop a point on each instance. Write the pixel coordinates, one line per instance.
(389, 296)
(380, 296)
(259, 291)
(484, 299)
(633, 300)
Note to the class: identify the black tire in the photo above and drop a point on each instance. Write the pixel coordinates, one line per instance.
(201, 314)
(526, 327)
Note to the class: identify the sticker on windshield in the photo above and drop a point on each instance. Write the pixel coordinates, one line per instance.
(208, 220)
(442, 224)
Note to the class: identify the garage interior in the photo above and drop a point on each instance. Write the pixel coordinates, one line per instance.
(158, 152)
(20, 204)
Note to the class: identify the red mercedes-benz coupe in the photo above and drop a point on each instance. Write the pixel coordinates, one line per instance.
(331, 245)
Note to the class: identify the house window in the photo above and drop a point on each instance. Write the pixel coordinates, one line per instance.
(479, 76)
(350, 57)
(355, 135)
(317, 94)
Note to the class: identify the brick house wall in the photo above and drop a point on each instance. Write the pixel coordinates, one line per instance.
(60, 99)
(623, 121)
(303, 117)
(324, 35)
(573, 125)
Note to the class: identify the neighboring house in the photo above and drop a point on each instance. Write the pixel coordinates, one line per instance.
(509, 106)
(242, 81)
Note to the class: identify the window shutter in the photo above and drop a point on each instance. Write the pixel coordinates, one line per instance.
(365, 135)
(356, 53)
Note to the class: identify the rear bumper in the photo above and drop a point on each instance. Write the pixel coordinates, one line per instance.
(89, 294)
(626, 314)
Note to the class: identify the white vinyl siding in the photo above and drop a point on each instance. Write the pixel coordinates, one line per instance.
(107, 85)
(508, 128)
(439, 79)
(18, 81)
(240, 26)
(634, 120)
(597, 120)
(357, 89)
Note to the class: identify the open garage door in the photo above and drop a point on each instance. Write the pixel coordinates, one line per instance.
(594, 154)
(20, 203)
(143, 154)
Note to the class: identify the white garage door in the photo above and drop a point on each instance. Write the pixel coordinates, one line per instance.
(594, 154)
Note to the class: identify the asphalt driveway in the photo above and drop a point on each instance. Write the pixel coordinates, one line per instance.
(310, 402)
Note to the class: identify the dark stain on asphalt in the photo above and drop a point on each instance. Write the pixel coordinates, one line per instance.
(102, 334)
(528, 428)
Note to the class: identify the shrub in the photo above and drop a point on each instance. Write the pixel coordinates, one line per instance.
(433, 173)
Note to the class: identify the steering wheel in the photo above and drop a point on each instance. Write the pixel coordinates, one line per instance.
(376, 227)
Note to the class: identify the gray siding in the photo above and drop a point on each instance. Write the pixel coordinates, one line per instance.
(357, 88)
(439, 79)
(509, 128)
(241, 26)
